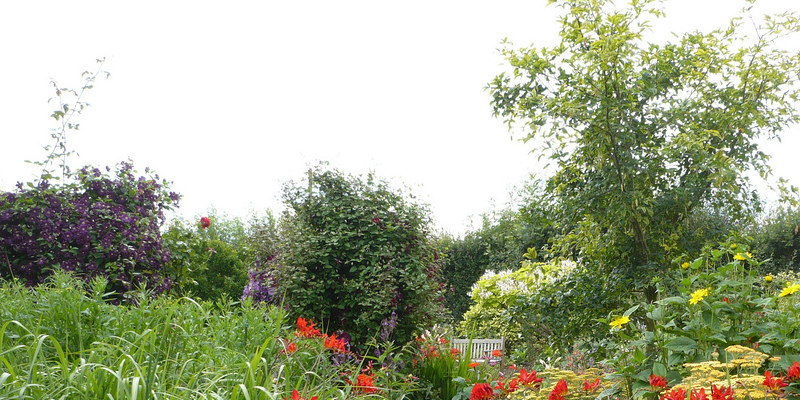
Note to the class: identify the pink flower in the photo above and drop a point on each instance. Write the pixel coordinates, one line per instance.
(205, 222)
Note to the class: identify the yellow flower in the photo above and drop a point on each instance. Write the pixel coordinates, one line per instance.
(768, 278)
(685, 265)
(620, 321)
(790, 290)
(698, 295)
(743, 256)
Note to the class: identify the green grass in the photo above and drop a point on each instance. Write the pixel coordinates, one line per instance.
(63, 341)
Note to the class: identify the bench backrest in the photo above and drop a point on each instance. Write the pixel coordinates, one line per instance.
(481, 348)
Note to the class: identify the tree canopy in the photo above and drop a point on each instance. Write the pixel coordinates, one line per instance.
(644, 134)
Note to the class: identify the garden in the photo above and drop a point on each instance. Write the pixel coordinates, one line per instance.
(645, 266)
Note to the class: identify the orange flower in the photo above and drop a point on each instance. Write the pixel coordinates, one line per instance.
(335, 344)
(306, 328)
(455, 352)
(473, 365)
(291, 348)
(497, 353)
(296, 396)
(364, 384)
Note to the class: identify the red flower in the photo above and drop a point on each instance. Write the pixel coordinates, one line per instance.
(455, 352)
(296, 396)
(205, 222)
(727, 300)
(497, 353)
(481, 391)
(442, 340)
(306, 329)
(527, 379)
(718, 393)
(376, 220)
(679, 394)
(335, 344)
(591, 387)
(291, 348)
(657, 383)
(794, 372)
(501, 385)
(364, 384)
(473, 365)
(773, 384)
(559, 391)
(512, 366)
(698, 394)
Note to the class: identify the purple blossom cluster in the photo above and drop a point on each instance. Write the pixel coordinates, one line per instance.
(261, 287)
(95, 226)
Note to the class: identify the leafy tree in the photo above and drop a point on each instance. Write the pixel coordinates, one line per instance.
(644, 135)
(354, 252)
(776, 239)
(209, 262)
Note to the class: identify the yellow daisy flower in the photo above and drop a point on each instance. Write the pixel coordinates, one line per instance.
(685, 265)
(790, 290)
(768, 278)
(698, 295)
(619, 321)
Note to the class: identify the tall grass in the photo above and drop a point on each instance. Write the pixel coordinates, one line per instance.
(61, 340)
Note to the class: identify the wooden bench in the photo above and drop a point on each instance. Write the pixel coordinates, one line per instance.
(481, 348)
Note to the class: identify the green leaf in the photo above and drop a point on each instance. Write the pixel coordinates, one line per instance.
(682, 344)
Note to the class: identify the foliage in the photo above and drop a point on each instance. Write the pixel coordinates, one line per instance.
(776, 239)
(209, 262)
(98, 225)
(498, 245)
(643, 134)
(438, 365)
(63, 340)
(720, 308)
(353, 252)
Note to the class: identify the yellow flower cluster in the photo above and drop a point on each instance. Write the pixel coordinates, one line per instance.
(698, 295)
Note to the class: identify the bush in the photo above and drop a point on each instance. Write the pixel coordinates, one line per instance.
(354, 252)
(97, 225)
(210, 259)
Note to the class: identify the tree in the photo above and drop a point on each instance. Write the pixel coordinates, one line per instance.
(356, 253)
(644, 135)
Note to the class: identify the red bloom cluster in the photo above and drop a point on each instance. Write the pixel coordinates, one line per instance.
(677, 394)
(773, 384)
(205, 222)
(720, 393)
(497, 353)
(296, 396)
(512, 385)
(306, 329)
(591, 387)
(481, 391)
(454, 352)
(364, 384)
(529, 379)
(794, 372)
(698, 394)
(559, 391)
(657, 383)
(335, 344)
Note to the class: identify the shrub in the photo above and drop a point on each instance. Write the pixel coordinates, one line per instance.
(97, 225)
(353, 252)
(210, 257)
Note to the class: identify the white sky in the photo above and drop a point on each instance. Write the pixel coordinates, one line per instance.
(229, 100)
